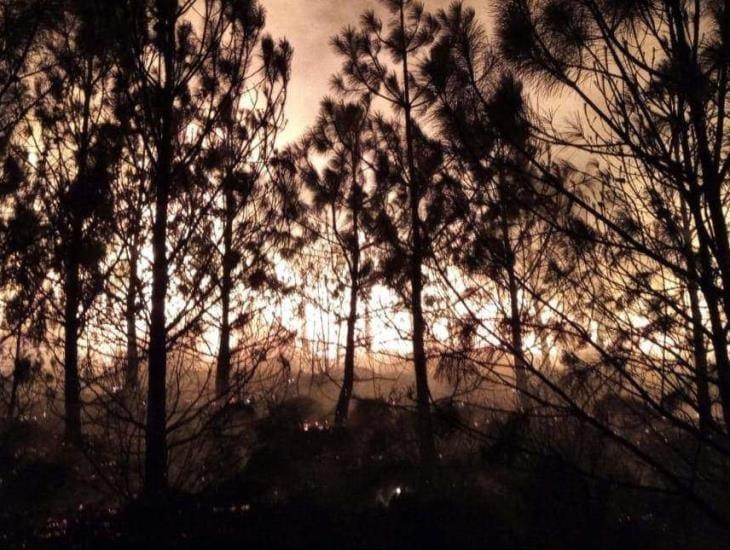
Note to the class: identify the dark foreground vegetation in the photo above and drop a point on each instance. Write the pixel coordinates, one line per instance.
(483, 300)
(357, 487)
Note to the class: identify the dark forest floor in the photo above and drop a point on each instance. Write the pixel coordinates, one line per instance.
(406, 523)
(408, 520)
(353, 488)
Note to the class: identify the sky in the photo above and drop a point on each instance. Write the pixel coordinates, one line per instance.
(309, 25)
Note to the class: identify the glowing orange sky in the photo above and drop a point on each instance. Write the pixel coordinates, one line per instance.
(309, 25)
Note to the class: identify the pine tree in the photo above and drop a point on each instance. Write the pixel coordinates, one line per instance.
(237, 157)
(341, 195)
(182, 65)
(405, 36)
(78, 147)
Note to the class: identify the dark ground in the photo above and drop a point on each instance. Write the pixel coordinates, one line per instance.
(404, 524)
(352, 488)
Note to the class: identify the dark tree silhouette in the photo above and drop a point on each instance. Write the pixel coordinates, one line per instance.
(22, 276)
(77, 148)
(132, 228)
(341, 196)
(241, 146)
(659, 110)
(409, 30)
(184, 65)
(485, 125)
(23, 23)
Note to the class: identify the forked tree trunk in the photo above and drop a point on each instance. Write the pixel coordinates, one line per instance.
(715, 238)
(714, 304)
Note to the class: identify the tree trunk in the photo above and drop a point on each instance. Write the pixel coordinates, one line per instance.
(426, 443)
(348, 380)
(72, 385)
(518, 353)
(155, 440)
(131, 374)
(515, 322)
(223, 366)
(713, 301)
(423, 394)
(699, 351)
(715, 238)
(16, 376)
(697, 338)
(72, 284)
(155, 482)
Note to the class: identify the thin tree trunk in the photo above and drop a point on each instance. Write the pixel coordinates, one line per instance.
(697, 339)
(699, 351)
(155, 440)
(426, 443)
(348, 380)
(343, 402)
(72, 385)
(16, 376)
(518, 353)
(131, 374)
(711, 190)
(423, 394)
(721, 354)
(72, 284)
(223, 366)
